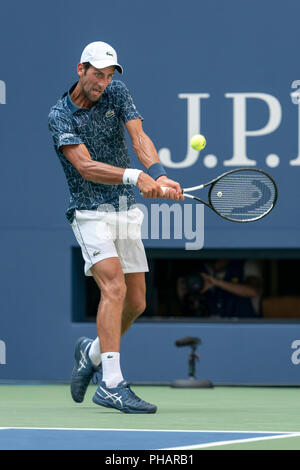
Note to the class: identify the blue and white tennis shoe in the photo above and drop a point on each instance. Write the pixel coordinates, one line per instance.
(121, 398)
(83, 370)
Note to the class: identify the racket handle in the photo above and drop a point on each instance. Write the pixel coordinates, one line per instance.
(164, 188)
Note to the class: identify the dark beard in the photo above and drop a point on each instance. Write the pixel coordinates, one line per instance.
(89, 97)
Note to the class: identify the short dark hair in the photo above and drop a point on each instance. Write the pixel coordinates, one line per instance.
(86, 66)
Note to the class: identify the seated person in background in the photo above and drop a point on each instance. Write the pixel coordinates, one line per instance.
(221, 289)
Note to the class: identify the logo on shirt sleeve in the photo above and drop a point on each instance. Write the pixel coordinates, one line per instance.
(66, 136)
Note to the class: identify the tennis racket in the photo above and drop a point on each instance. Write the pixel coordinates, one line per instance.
(240, 195)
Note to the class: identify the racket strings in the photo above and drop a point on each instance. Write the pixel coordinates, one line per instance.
(243, 196)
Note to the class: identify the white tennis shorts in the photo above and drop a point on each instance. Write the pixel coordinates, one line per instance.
(104, 235)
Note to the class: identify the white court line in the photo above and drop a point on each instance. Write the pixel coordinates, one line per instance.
(237, 431)
(233, 441)
(278, 434)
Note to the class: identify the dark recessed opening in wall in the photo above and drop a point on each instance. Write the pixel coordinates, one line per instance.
(280, 295)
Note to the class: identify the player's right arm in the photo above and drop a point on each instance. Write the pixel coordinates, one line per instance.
(104, 173)
(75, 151)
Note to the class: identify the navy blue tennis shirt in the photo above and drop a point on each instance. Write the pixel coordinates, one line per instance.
(101, 129)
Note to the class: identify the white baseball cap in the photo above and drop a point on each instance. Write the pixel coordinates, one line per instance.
(100, 55)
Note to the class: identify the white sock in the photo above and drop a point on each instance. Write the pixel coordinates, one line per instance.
(94, 352)
(112, 374)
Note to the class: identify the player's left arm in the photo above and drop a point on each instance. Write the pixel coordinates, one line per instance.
(147, 154)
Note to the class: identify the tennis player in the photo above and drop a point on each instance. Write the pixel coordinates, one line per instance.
(87, 127)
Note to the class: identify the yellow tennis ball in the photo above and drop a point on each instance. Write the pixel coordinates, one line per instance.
(198, 142)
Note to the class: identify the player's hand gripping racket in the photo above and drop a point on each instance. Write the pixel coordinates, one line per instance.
(240, 195)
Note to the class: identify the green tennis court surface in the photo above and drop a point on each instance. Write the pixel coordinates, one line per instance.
(218, 418)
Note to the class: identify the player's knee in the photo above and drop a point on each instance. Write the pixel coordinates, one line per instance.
(137, 306)
(115, 291)
(119, 290)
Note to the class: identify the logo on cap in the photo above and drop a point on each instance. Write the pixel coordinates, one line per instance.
(109, 53)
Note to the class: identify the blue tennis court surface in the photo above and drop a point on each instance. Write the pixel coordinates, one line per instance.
(107, 439)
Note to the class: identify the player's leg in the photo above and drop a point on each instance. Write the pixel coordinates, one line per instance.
(135, 300)
(121, 396)
(109, 277)
(133, 259)
(113, 392)
(134, 306)
(93, 234)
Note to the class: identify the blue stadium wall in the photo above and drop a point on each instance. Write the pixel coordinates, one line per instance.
(225, 69)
